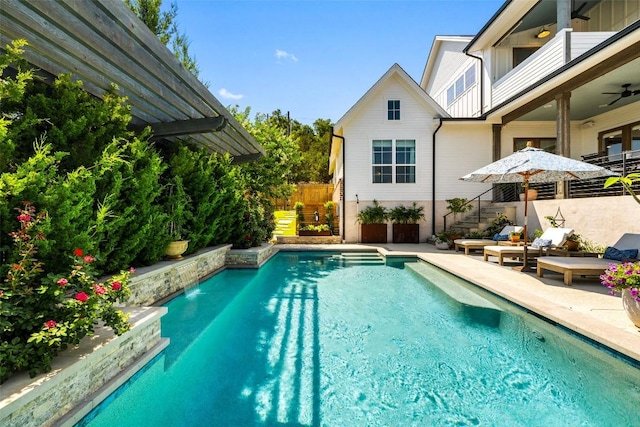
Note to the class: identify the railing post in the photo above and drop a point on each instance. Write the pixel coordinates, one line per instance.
(478, 209)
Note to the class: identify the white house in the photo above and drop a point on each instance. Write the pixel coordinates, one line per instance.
(559, 73)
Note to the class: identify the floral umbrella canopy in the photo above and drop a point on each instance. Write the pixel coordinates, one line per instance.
(535, 165)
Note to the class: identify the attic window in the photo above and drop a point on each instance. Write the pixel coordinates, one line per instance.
(461, 85)
(393, 109)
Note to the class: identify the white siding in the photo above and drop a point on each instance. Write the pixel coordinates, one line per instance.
(461, 148)
(450, 61)
(612, 15)
(548, 58)
(582, 42)
(468, 104)
(416, 123)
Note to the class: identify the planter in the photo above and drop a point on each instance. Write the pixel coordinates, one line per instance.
(531, 195)
(373, 233)
(572, 246)
(176, 249)
(515, 238)
(631, 307)
(314, 233)
(406, 233)
(442, 245)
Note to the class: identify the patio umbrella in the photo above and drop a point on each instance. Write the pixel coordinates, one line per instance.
(535, 165)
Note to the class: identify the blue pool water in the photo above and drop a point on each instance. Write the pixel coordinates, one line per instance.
(308, 341)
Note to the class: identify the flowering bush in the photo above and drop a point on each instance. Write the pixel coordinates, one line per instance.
(41, 314)
(623, 276)
(319, 227)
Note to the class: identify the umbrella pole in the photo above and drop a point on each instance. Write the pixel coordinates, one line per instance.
(526, 217)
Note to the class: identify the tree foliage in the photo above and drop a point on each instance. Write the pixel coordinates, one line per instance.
(164, 25)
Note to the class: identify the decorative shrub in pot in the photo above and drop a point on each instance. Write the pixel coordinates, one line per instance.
(373, 227)
(405, 223)
(625, 278)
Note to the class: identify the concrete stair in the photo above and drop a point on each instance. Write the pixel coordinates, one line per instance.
(359, 258)
(488, 212)
(285, 223)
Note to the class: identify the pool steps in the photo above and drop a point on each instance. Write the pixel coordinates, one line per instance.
(359, 258)
(472, 305)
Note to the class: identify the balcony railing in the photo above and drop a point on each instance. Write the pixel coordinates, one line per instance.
(548, 58)
(621, 163)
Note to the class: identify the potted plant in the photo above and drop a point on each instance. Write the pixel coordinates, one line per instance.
(373, 227)
(458, 205)
(514, 236)
(405, 223)
(532, 193)
(442, 242)
(625, 278)
(178, 202)
(573, 242)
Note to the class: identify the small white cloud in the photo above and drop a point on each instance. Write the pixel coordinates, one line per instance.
(228, 95)
(283, 54)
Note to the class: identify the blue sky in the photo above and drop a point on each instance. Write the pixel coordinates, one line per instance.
(315, 59)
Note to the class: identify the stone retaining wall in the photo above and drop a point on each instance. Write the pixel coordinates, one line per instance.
(152, 284)
(77, 373)
(309, 240)
(250, 258)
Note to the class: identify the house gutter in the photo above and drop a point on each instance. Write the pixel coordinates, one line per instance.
(487, 25)
(433, 177)
(344, 180)
(481, 79)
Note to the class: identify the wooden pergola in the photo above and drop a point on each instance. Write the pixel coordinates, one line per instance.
(101, 42)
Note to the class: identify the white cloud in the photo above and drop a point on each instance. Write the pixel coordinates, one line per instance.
(228, 95)
(283, 54)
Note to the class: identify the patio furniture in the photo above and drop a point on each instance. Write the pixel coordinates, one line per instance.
(556, 235)
(568, 266)
(471, 244)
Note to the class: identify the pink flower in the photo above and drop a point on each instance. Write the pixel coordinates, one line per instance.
(82, 297)
(88, 258)
(132, 270)
(24, 218)
(78, 252)
(50, 324)
(100, 290)
(116, 286)
(63, 282)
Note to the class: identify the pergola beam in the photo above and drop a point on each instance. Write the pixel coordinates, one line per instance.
(187, 127)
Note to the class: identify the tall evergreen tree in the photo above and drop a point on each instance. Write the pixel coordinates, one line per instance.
(164, 25)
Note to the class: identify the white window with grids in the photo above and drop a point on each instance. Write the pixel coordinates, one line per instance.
(461, 85)
(388, 157)
(393, 109)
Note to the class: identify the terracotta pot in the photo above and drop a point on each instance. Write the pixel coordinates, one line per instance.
(515, 238)
(531, 195)
(176, 249)
(572, 246)
(631, 307)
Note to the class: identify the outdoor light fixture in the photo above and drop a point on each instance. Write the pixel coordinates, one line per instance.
(543, 33)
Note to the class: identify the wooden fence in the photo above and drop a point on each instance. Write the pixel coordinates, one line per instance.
(314, 196)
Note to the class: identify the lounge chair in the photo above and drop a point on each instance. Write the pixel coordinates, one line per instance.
(471, 244)
(586, 266)
(557, 236)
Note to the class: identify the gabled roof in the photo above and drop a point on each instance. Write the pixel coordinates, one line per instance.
(436, 47)
(411, 85)
(102, 42)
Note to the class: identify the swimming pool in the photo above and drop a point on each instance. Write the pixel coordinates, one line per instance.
(309, 340)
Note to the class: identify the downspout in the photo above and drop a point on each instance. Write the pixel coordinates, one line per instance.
(481, 79)
(433, 177)
(344, 188)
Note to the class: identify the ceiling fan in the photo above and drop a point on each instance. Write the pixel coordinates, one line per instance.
(624, 94)
(575, 13)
